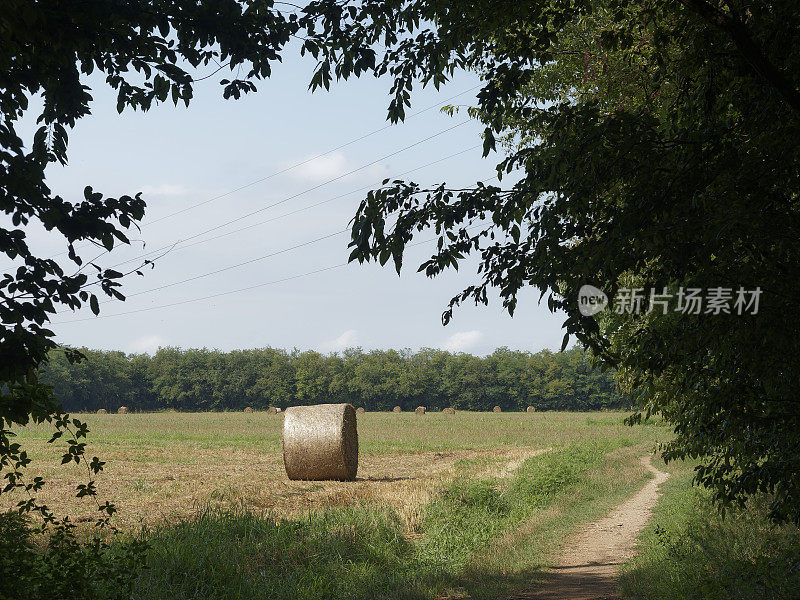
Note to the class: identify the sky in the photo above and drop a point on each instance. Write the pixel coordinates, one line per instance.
(272, 181)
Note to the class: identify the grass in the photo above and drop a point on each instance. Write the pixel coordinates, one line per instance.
(690, 552)
(236, 554)
(379, 432)
(602, 475)
(471, 505)
(365, 551)
(443, 504)
(469, 513)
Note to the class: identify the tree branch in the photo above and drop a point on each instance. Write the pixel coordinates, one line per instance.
(748, 48)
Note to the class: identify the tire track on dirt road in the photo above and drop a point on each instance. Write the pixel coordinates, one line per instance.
(587, 567)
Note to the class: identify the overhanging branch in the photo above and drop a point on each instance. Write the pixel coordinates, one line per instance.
(748, 48)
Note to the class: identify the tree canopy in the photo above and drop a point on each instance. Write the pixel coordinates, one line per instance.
(201, 379)
(652, 146)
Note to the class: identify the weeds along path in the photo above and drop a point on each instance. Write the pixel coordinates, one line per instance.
(587, 567)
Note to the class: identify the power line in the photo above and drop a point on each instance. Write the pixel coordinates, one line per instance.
(245, 289)
(227, 293)
(306, 161)
(283, 250)
(241, 264)
(297, 195)
(310, 206)
(296, 165)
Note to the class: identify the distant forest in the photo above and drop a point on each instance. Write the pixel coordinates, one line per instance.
(209, 380)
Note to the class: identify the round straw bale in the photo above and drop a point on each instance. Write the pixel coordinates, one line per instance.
(449, 410)
(530, 409)
(320, 442)
(497, 409)
(272, 410)
(277, 410)
(122, 410)
(360, 410)
(248, 409)
(102, 411)
(420, 410)
(397, 409)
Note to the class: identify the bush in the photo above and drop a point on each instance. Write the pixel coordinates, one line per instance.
(64, 566)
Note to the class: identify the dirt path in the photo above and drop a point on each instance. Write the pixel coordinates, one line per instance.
(586, 569)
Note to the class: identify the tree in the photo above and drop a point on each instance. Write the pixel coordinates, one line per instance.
(148, 52)
(197, 380)
(653, 145)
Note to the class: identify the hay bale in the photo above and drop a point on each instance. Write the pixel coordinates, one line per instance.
(102, 411)
(497, 409)
(272, 410)
(397, 409)
(277, 410)
(320, 442)
(248, 409)
(530, 409)
(420, 410)
(449, 410)
(360, 410)
(123, 410)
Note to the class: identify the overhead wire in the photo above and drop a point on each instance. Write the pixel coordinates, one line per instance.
(276, 252)
(175, 247)
(225, 293)
(308, 160)
(292, 197)
(294, 165)
(284, 250)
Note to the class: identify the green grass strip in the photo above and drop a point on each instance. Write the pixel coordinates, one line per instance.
(690, 552)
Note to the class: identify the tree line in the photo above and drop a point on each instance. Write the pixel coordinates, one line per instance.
(211, 380)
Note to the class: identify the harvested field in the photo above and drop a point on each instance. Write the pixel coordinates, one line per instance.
(165, 465)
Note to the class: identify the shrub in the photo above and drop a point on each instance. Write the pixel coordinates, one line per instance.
(65, 567)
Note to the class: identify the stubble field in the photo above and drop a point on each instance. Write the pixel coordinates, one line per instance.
(163, 466)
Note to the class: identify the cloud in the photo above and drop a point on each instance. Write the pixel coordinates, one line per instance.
(462, 341)
(347, 340)
(322, 168)
(164, 189)
(147, 344)
(333, 165)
